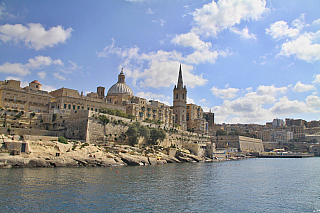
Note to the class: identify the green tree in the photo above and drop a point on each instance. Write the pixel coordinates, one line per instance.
(155, 135)
(132, 134)
(9, 130)
(144, 132)
(221, 132)
(54, 117)
(105, 121)
(62, 139)
(32, 116)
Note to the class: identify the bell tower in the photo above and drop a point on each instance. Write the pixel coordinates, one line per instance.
(180, 102)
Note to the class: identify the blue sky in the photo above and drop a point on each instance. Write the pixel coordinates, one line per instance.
(249, 61)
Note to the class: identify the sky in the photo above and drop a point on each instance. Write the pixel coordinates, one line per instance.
(248, 61)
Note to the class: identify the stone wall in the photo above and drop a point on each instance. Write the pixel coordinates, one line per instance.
(23, 131)
(240, 142)
(250, 144)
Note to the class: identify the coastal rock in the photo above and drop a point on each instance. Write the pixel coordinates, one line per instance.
(133, 160)
(14, 162)
(185, 159)
(152, 161)
(37, 162)
(185, 156)
(170, 159)
(63, 162)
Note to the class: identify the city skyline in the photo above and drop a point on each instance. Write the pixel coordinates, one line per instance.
(248, 61)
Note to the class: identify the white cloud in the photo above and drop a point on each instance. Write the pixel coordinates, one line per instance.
(69, 69)
(300, 87)
(316, 78)
(149, 11)
(287, 107)
(162, 66)
(204, 101)
(42, 74)
(157, 97)
(15, 69)
(270, 90)
(58, 76)
(191, 40)
(304, 47)
(263, 105)
(316, 22)
(25, 69)
(246, 109)
(244, 33)
(48, 88)
(228, 93)
(34, 35)
(39, 61)
(4, 13)
(215, 17)
(190, 101)
(313, 101)
(58, 62)
(280, 30)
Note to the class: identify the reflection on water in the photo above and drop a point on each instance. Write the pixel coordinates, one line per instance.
(255, 185)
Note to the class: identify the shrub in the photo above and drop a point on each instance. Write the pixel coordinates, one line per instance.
(62, 139)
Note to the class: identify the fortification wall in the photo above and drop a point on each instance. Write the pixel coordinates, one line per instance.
(250, 144)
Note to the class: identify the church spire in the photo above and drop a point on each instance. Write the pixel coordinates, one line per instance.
(180, 81)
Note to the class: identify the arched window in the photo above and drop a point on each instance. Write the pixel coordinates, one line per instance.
(177, 96)
(182, 96)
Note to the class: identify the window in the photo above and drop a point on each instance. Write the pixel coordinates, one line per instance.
(73, 107)
(65, 106)
(78, 107)
(177, 96)
(88, 108)
(69, 106)
(182, 96)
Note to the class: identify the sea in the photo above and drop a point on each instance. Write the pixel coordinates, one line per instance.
(251, 185)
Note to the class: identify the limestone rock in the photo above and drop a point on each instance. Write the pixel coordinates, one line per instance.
(170, 159)
(133, 160)
(37, 162)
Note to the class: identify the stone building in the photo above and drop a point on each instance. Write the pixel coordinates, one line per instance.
(144, 110)
(195, 119)
(30, 98)
(180, 102)
(150, 111)
(69, 99)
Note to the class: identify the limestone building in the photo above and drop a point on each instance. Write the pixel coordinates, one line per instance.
(69, 99)
(195, 119)
(30, 98)
(180, 102)
(144, 110)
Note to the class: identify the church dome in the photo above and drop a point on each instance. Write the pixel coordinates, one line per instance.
(121, 87)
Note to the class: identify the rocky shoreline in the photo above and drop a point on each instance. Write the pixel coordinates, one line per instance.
(77, 154)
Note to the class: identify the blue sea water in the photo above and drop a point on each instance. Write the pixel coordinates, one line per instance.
(253, 185)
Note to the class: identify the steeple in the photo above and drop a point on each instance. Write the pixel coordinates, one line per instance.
(180, 81)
